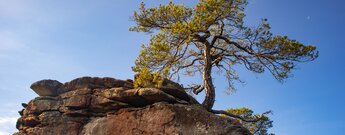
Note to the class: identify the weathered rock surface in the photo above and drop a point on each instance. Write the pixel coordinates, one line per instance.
(107, 106)
(47, 87)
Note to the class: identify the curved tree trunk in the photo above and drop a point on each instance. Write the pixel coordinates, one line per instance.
(208, 84)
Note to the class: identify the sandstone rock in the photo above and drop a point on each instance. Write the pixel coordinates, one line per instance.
(96, 82)
(162, 118)
(192, 100)
(77, 102)
(178, 93)
(129, 96)
(47, 87)
(24, 105)
(76, 112)
(76, 92)
(47, 118)
(107, 106)
(50, 123)
(68, 128)
(172, 84)
(21, 112)
(101, 104)
(40, 105)
(153, 95)
(30, 121)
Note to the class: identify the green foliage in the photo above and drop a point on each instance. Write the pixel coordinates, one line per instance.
(179, 34)
(257, 128)
(145, 79)
(212, 37)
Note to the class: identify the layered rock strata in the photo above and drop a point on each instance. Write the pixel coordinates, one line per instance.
(107, 106)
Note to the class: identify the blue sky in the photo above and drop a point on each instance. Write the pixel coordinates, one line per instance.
(65, 39)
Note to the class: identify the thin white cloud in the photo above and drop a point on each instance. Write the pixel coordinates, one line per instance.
(7, 125)
(4, 133)
(7, 120)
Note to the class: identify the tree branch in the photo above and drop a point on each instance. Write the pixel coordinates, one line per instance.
(190, 64)
(234, 43)
(196, 89)
(239, 117)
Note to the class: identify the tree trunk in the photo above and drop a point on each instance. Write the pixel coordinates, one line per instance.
(208, 84)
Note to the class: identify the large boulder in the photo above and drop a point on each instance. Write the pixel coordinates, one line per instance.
(163, 119)
(47, 88)
(96, 82)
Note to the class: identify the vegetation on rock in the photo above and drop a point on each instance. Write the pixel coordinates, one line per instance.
(208, 37)
(211, 37)
(259, 127)
(108, 106)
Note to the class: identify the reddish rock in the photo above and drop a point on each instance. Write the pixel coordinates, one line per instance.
(30, 121)
(77, 102)
(107, 106)
(96, 82)
(101, 104)
(55, 129)
(83, 91)
(163, 118)
(42, 104)
(129, 96)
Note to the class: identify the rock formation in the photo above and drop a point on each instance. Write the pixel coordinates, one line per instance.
(107, 106)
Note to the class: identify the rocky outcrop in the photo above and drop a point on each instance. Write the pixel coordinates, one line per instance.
(107, 106)
(47, 87)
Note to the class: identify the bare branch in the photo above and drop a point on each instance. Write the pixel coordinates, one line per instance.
(190, 64)
(196, 88)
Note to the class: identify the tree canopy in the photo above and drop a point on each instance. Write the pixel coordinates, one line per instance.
(210, 37)
(255, 126)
